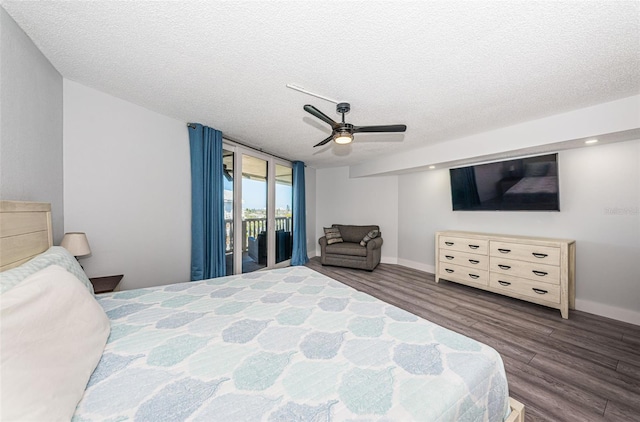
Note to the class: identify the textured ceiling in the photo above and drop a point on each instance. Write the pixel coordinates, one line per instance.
(446, 69)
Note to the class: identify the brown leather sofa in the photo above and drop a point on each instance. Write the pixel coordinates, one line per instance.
(349, 253)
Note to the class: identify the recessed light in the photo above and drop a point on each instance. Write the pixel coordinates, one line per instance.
(432, 167)
(591, 141)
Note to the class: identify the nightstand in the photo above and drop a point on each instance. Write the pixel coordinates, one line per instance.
(105, 284)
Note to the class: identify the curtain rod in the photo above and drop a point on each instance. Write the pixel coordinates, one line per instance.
(193, 126)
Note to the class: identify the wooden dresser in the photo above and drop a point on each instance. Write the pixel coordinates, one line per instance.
(535, 269)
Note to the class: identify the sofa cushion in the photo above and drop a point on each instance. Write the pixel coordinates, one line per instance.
(347, 248)
(354, 233)
(333, 235)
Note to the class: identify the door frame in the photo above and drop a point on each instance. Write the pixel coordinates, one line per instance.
(238, 151)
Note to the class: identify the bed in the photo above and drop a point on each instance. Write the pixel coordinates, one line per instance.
(278, 345)
(534, 190)
(538, 187)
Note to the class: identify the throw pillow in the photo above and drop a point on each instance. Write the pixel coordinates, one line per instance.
(333, 235)
(371, 235)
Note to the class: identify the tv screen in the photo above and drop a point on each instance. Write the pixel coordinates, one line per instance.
(523, 184)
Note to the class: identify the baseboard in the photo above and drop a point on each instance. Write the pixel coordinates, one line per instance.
(620, 314)
(417, 265)
(389, 260)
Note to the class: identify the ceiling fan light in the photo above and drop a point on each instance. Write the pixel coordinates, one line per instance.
(343, 138)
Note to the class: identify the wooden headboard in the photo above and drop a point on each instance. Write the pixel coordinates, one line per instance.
(25, 231)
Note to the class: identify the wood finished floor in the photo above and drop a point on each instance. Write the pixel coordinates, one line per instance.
(586, 368)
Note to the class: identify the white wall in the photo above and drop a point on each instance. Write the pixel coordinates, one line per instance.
(368, 200)
(30, 124)
(127, 184)
(600, 209)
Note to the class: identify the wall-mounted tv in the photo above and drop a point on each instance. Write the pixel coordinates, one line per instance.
(523, 184)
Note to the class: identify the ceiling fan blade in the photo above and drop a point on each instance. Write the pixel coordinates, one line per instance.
(323, 142)
(320, 115)
(384, 128)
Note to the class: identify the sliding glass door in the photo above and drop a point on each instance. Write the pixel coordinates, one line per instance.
(284, 212)
(254, 213)
(259, 199)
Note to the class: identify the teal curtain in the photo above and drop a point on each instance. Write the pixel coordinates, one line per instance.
(207, 203)
(464, 189)
(299, 252)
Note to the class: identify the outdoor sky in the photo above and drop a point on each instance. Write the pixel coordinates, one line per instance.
(255, 194)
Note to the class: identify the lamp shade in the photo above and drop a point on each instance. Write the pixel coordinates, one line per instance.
(76, 243)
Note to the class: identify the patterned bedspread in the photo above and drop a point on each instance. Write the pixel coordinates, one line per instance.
(284, 345)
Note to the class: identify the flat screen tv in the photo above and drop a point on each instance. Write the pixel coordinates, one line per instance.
(523, 184)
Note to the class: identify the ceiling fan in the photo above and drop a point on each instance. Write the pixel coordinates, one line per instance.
(342, 133)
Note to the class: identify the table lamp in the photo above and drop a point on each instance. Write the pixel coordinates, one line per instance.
(76, 243)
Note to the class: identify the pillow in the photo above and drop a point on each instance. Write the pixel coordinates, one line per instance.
(367, 237)
(333, 235)
(536, 169)
(53, 335)
(54, 255)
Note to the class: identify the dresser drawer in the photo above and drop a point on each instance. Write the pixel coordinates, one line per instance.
(464, 245)
(536, 269)
(531, 253)
(530, 270)
(466, 275)
(465, 259)
(538, 291)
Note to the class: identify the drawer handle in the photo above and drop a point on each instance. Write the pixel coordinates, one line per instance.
(539, 291)
(474, 261)
(504, 267)
(539, 255)
(474, 276)
(539, 273)
(448, 270)
(448, 243)
(504, 250)
(474, 246)
(504, 283)
(448, 256)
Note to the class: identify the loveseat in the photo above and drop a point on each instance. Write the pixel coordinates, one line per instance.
(349, 252)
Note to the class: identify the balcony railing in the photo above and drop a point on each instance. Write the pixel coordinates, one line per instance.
(251, 227)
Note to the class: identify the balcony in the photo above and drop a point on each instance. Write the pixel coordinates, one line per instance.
(251, 228)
